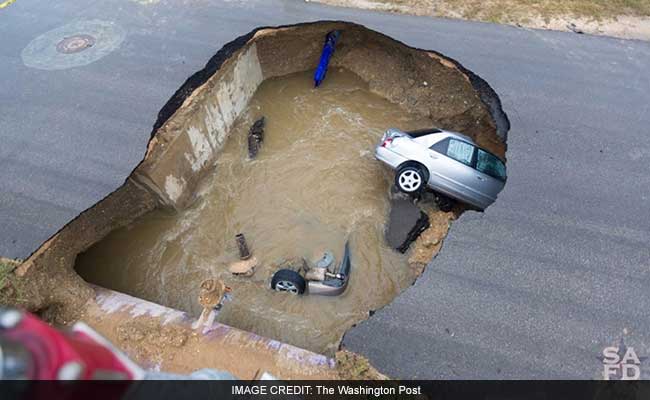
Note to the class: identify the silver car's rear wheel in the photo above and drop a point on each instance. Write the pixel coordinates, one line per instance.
(409, 179)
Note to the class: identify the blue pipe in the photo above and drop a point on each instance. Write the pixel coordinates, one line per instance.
(328, 50)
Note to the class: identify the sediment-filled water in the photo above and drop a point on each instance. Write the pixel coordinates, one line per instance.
(313, 185)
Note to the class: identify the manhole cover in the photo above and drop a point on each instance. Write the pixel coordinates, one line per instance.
(75, 44)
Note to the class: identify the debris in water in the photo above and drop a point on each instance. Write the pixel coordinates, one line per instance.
(245, 268)
(319, 268)
(212, 294)
(255, 137)
(244, 252)
(316, 279)
(246, 265)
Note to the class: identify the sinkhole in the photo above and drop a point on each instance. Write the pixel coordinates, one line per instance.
(313, 185)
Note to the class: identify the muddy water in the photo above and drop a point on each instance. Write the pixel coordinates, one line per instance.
(314, 184)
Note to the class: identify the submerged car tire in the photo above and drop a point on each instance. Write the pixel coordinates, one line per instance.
(444, 203)
(410, 179)
(287, 280)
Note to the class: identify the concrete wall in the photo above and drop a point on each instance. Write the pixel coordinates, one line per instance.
(162, 339)
(188, 143)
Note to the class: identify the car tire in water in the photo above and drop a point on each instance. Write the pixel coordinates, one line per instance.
(287, 280)
(444, 203)
(410, 179)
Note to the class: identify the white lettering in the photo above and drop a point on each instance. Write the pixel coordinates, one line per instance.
(626, 376)
(630, 354)
(610, 355)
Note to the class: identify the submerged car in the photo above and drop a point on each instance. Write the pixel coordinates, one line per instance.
(319, 278)
(449, 163)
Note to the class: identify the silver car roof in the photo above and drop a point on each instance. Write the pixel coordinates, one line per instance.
(458, 135)
(437, 134)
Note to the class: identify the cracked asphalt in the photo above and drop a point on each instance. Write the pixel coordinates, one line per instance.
(535, 287)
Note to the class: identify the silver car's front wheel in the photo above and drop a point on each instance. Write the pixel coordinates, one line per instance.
(409, 179)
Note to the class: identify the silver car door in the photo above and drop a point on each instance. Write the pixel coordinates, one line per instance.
(490, 173)
(453, 172)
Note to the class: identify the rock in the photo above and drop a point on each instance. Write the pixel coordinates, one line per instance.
(573, 28)
(431, 243)
(244, 268)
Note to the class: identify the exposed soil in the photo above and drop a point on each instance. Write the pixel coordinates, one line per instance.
(430, 241)
(627, 19)
(352, 366)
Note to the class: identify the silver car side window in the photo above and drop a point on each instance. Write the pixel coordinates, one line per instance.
(490, 165)
(460, 151)
(441, 146)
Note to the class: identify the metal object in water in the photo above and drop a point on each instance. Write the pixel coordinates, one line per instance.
(244, 252)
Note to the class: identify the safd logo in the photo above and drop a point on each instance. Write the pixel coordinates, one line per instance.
(621, 363)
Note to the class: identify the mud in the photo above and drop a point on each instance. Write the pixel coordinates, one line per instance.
(313, 184)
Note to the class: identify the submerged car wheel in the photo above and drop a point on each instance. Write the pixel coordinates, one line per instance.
(287, 280)
(410, 179)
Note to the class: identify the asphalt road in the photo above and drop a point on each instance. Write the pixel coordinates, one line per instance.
(535, 287)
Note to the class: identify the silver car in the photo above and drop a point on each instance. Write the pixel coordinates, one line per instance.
(448, 162)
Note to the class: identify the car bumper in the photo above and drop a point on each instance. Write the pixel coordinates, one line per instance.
(389, 157)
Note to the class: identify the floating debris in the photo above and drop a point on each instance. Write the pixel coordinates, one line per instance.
(255, 137)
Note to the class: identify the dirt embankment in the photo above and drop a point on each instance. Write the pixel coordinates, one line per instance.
(627, 19)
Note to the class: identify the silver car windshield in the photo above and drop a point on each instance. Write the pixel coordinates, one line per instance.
(490, 165)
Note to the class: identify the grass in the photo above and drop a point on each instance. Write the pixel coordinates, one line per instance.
(501, 11)
(352, 366)
(514, 10)
(9, 294)
(6, 267)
